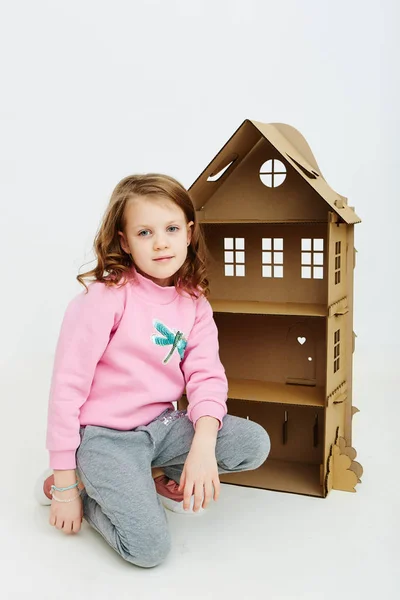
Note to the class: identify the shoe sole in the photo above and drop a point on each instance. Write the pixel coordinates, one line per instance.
(177, 507)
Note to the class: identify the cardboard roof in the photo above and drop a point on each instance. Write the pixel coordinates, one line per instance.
(293, 148)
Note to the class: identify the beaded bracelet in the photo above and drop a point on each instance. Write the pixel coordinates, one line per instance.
(69, 499)
(60, 489)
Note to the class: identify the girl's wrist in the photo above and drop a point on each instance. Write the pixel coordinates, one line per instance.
(204, 441)
(64, 487)
(71, 492)
(60, 498)
(206, 430)
(64, 478)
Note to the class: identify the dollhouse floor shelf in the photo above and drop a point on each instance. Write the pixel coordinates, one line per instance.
(269, 308)
(279, 393)
(282, 476)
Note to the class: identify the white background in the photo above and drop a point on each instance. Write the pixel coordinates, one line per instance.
(92, 91)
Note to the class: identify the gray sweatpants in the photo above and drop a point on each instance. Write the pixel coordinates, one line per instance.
(120, 499)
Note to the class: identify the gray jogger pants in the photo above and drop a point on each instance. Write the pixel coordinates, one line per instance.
(120, 499)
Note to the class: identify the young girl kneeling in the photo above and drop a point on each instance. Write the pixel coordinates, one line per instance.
(129, 345)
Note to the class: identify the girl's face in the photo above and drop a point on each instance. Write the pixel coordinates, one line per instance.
(157, 236)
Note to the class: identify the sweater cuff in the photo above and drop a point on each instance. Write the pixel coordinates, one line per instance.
(207, 408)
(63, 461)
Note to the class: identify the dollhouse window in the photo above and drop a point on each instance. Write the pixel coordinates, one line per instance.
(273, 173)
(336, 351)
(272, 257)
(337, 261)
(234, 257)
(312, 258)
(218, 175)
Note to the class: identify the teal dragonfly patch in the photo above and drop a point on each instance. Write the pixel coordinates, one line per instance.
(174, 338)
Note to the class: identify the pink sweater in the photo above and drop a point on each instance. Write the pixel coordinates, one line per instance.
(124, 355)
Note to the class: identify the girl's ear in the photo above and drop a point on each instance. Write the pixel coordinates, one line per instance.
(123, 243)
(189, 231)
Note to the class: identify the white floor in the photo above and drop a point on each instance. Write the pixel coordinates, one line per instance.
(250, 544)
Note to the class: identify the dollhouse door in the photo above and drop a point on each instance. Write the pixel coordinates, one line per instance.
(300, 355)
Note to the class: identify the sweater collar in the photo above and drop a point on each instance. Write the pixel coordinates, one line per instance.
(150, 291)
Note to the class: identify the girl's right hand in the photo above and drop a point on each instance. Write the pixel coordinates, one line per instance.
(66, 516)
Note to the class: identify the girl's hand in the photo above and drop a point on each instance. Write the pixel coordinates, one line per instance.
(66, 516)
(200, 472)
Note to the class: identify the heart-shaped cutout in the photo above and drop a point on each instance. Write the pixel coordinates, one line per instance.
(301, 340)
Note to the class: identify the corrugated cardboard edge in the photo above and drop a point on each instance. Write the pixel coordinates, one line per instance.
(343, 472)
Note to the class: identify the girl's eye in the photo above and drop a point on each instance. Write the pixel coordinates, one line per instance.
(145, 231)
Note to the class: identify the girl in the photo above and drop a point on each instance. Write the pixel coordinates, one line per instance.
(129, 345)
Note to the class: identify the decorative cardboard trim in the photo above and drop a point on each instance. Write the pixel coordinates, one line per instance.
(354, 342)
(343, 473)
(338, 395)
(340, 307)
(341, 202)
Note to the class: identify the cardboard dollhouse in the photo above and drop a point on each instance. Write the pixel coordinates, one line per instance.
(281, 243)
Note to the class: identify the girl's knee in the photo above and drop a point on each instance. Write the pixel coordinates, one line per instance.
(259, 443)
(253, 444)
(246, 447)
(153, 558)
(150, 555)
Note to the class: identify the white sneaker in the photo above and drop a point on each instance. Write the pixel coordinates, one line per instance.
(177, 507)
(170, 496)
(39, 494)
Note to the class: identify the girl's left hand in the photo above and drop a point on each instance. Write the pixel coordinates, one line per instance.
(201, 473)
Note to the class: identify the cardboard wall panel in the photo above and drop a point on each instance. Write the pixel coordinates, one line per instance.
(266, 347)
(337, 264)
(334, 421)
(256, 284)
(336, 349)
(296, 432)
(350, 339)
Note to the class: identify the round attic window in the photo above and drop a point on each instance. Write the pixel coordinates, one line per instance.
(273, 173)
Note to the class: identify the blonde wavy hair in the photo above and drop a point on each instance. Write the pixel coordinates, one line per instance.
(114, 264)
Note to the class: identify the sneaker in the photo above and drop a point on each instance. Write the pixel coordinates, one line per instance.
(171, 498)
(42, 487)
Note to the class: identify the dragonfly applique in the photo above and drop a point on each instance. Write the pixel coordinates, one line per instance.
(175, 339)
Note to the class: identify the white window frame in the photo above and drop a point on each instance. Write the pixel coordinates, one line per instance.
(234, 257)
(312, 258)
(272, 257)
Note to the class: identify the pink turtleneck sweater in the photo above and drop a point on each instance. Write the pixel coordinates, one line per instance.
(124, 355)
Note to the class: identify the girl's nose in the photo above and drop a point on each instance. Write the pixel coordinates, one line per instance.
(160, 242)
